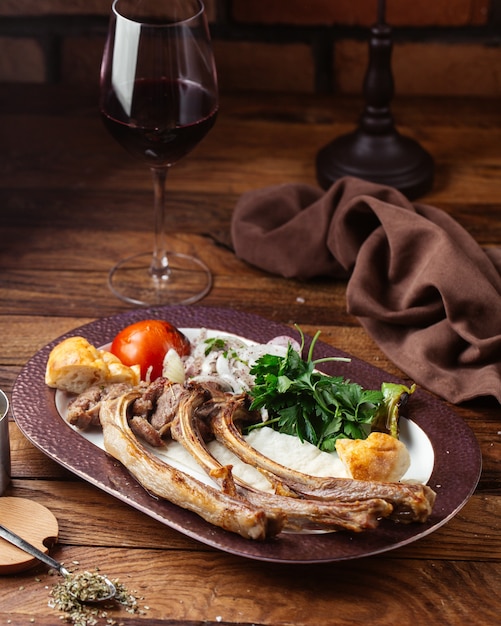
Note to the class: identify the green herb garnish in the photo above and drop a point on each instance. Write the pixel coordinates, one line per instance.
(218, 344)
(215, 343)
(315, 407)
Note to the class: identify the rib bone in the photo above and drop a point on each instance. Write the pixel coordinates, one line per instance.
(300, 513)
(229, 512)
(410, 501)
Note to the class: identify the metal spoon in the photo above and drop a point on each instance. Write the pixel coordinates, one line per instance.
(19, 542)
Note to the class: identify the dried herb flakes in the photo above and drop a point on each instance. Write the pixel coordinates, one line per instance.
(67, 596)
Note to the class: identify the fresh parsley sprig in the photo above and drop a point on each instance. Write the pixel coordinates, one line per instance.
(309, 404)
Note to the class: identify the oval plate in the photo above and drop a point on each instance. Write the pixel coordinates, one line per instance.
(454, 477)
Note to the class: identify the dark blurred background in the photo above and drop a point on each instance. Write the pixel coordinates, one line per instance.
(441, 47)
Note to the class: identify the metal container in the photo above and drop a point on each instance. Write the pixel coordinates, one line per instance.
(4, 443)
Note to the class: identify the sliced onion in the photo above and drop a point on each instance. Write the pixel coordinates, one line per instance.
(173, 367)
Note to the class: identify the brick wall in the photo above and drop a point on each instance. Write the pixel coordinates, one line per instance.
(313, 46)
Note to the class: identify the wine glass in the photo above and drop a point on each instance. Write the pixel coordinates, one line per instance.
(159, 99)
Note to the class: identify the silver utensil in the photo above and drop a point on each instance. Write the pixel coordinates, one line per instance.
(4, 443)
(21, 543)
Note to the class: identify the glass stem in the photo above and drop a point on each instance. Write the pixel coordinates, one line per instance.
(159, 263)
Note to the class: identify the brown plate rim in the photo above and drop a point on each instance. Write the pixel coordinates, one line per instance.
(455, 475)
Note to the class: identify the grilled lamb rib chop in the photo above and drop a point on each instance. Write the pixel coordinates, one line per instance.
(411, 502)
(299, 513)
(229, 512)
(192, 411)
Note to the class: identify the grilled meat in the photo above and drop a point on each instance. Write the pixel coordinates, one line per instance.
(193, 414)
(299, 513)
(410, 502)
(232, 513)
(144, 430)
(83, 410)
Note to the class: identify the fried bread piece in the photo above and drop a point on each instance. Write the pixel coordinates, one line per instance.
(74, 365)
(380, 457)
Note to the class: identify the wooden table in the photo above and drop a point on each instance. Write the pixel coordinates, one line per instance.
(69, 199)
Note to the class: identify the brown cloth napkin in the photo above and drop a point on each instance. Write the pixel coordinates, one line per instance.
(421, 286)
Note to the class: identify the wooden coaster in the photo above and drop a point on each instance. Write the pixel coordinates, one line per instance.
(31, 521)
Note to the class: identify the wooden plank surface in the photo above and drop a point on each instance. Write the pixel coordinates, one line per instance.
(72, 203)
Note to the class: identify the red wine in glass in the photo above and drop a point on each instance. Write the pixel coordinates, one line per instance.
(159, 99)
(167, 120)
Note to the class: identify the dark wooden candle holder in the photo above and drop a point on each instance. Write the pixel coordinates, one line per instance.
(376, 151)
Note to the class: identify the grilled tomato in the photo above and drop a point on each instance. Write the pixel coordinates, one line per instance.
(146, 343)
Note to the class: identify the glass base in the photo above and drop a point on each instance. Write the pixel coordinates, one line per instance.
(187, 280)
